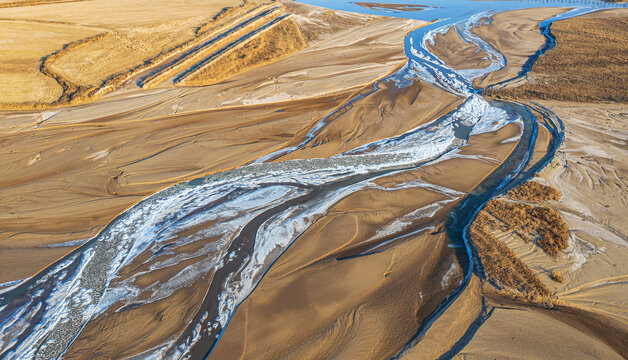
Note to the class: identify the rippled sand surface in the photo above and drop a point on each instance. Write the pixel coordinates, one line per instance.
(207, 197)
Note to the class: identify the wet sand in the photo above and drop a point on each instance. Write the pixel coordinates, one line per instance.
(516, 35)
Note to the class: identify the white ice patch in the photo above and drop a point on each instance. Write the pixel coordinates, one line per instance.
(447, 277)
(402, 223)
(579, 251)
(70, 243)
(98, 155)
(35, 159)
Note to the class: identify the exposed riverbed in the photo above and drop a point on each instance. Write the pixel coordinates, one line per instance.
(222, 233)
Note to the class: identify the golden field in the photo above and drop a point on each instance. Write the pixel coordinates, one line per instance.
(79, 53)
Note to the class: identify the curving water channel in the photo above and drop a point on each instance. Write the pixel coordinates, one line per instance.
(229, 228)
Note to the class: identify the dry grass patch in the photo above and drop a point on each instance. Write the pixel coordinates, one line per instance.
(500, 264)
(207, 44)
(95, 62)
(278, 41)
(589, 63)
(534, 191)
(71, 52)
(21, 81)
(540, 224)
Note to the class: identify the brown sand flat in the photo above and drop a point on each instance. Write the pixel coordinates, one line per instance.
(132, 332)
(525, 334)
(356, 306)
(451, 325)
(456, 53)
(541, 145)
(516, 35)
(365, 306)
(397, 111)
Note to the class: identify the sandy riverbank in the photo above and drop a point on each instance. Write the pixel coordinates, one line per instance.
(586, 278)
(100, 158)
(366, 274)
(588, 63)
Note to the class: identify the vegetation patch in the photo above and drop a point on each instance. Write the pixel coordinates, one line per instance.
(589, 63)
(534, 191)
(531, 222)
(540, 224)
(501, 266)
(278, 41)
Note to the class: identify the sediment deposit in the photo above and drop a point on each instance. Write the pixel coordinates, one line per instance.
(268, 179)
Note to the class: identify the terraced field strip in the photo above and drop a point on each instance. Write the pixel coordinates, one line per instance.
(242, 41)
(34, 3)
(210, 42)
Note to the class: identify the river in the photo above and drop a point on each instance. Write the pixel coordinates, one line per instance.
(230, 227)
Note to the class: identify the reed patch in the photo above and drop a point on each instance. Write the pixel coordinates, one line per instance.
(278, 41)
(588, 64)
